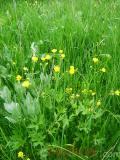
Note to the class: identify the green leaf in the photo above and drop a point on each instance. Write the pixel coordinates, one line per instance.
(5, 94)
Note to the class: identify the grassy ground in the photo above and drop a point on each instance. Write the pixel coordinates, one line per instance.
(67, 98)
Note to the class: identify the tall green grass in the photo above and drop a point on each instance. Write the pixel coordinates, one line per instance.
(44, 114)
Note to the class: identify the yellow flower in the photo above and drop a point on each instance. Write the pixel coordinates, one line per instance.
(43, 59)
(47, 57)
(72, 70)
(20, 154)
(72, 96)
(62, 56)
(25, 68)
(95, 60)
(57, 68)
(98, 103)
(84, 91)
(117, 93)
(18, 77)
(54, 50)
(103, 70)
(34, 58)
(61, 51)
(13, 63)
(68, 90)
(93, 93)
(77, 95)
(26, 84)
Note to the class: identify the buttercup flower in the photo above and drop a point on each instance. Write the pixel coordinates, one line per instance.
(72, 70)
(61, 51)
(98, 103)
(34, 58)
(62, 56)
(117, 93)
(18, 77)
(103, 70)
(93, 93)
(13, 62)
(26, 84)
(20, 154)
(47, 57)
(54, 50)
(95, 60)
(57, 68)
(43, 59)
(25, 68)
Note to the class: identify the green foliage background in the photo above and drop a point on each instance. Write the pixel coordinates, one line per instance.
(44, 115)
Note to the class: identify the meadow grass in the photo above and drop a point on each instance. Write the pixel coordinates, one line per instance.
(59, 101)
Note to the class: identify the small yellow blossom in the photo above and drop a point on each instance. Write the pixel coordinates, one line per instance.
(57, 68)
(68, 90)
(54, 50)
(25, 68)
(98, 103)
(34, 58)
(20, 154)
(95, 60)
(93, 93)
(103, 70)
(47, 57)
(13, 62)
(117, 93)
(60, 51)
(43, 59)
(62, 56)
(72, 96)
(77, 95)
(26, 84)
(72, 70)
(18, 77)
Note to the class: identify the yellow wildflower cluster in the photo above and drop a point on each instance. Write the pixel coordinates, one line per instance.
(74, 96)
(96, 61)
(87, 91)
(115, 92)
(48, 56)
(25, 83)
(21, 155)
